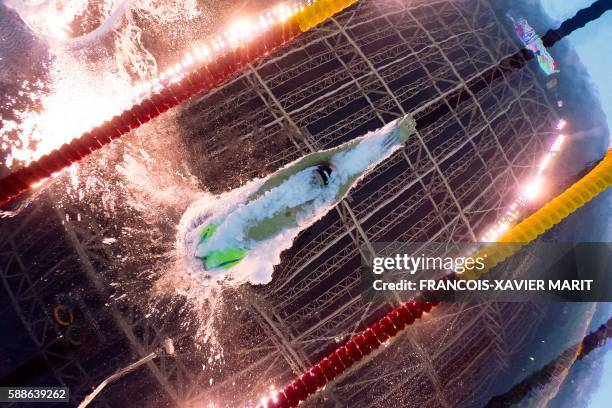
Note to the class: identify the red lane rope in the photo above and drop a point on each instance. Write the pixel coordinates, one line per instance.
(200, 79)
(353, 351)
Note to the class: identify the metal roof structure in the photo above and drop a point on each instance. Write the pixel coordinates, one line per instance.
(367, 66)
(374, 62)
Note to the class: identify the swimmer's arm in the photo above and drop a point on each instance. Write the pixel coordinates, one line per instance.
(310, 160)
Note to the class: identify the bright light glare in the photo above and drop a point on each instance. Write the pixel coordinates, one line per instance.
(530, 192)
(561, 124)
(90, 98)
(241, 30)
(533, 189)
(80, 100)
(557, 144)
(544, 163)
